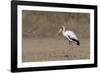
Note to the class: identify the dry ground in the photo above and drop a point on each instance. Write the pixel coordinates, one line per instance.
(50, 49)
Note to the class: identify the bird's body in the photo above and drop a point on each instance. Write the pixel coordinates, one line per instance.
(71, 36)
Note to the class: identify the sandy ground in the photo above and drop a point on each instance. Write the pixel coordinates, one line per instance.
(51, 49)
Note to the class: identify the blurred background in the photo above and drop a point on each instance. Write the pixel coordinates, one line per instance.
(47, 24)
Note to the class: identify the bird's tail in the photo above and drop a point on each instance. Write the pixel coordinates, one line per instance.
(78, 43)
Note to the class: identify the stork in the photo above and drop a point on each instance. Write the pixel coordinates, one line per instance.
(70, 35)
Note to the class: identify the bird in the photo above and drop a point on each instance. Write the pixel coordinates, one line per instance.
(70, 36)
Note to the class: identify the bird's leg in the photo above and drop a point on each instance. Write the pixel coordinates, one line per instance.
(70, 49)
(69, 46)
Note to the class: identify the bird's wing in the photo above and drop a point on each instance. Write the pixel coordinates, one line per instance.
(71, 34)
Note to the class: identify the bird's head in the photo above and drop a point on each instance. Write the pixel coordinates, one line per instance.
(61, 29)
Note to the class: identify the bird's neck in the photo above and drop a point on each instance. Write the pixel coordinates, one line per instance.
(63, 31)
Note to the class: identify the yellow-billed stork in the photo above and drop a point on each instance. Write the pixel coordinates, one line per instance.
(70, 35)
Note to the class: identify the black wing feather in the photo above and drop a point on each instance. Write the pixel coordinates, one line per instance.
(77, 41)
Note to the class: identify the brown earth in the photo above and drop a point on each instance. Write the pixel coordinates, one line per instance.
(50, 49)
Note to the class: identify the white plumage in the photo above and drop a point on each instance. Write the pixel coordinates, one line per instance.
(71, 34)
